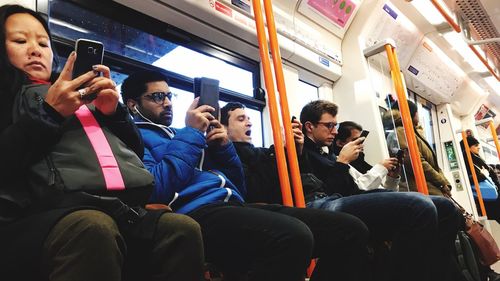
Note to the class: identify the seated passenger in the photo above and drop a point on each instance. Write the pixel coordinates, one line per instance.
(49, 230)
(437, 184)
(486, 177)
(340, 257)
(198, 173)
(409, 220)
(367, 177)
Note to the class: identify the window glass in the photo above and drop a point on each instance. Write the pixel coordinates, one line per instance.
(307, 93)
(71, 22)
(426, 123)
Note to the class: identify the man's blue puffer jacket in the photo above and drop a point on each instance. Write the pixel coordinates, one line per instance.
(175, 164)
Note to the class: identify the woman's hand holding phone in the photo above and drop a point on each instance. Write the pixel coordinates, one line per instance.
(63, 95)
(107, 97)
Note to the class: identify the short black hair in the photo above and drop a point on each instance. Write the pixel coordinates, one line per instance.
(413, 107)
(135, 84)
(224, 111)
(345, 128)
(313, 111)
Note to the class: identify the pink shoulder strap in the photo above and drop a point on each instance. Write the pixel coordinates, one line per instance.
(109, 166)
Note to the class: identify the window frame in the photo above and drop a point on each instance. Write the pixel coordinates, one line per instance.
(119, 13)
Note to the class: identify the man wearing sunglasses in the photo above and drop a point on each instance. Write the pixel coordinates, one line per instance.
(198, 173)
(421, 230)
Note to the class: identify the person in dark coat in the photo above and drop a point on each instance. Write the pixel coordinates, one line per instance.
(340, 257)
(199, 174)
(45, 237)
(484, 174)
(421, 228)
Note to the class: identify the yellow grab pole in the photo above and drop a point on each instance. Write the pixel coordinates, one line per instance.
(495, 138)
(473, 171)
(407, 121)
(298, 194)
(286, 194)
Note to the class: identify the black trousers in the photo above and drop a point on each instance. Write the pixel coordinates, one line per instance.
(273, 242)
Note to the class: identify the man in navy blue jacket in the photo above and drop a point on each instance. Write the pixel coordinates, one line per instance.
(198, 173)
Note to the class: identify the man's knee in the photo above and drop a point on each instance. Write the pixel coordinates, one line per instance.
(181, 225)
(92, 224)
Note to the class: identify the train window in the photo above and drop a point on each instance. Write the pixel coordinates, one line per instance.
(425, 116)
(71, 22)
(133, 44)
(307, 93)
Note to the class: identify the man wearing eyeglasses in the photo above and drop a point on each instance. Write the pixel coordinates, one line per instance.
(421, 231)
(198, 173)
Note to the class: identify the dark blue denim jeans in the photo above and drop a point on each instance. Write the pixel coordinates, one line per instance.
(408, 219)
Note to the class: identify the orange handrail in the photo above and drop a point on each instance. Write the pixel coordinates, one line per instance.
(447, 17)
(495, 138)
(407, 121)
(457, 28)
(485, 62)
(286, 194)
(298, 194)
(473, 171)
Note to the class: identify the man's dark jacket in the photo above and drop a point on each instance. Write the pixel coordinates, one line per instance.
(335, 175)
(261, 174)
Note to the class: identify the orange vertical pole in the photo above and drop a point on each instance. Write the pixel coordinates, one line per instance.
(457, 28)
(298, 194)
(473, 171)
(273, 108)
(495, 138)
(407, 121)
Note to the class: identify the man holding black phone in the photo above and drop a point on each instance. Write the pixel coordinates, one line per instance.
(421, 228)
(198, 173)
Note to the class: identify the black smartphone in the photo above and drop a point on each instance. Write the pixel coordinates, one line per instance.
(364, 134)
(400, 155)
(208, 91)
(88, 53)
(293, 118)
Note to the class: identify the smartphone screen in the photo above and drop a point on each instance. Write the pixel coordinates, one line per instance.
(208, 91)
(88, 53)
(399, 155)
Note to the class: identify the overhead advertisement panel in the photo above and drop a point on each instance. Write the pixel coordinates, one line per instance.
(334, 15)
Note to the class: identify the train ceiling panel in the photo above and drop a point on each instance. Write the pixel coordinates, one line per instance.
(391, 23)
(426, 66)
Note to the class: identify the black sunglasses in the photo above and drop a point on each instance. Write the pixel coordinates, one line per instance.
(159, 97)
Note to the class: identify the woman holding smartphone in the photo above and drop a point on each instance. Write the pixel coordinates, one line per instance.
(39, 238)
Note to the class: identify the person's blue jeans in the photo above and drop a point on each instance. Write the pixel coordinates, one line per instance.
(408, 219)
